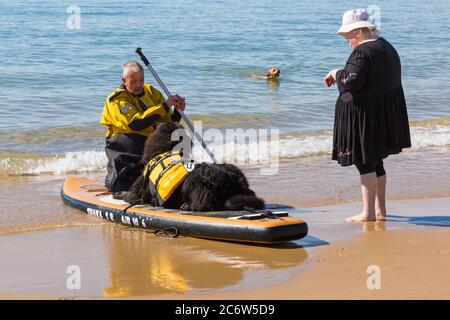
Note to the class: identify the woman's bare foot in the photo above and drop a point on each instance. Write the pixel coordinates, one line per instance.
(361, 218)
(381, 216)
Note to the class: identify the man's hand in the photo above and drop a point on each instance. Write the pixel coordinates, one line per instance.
(180, 103)
(177, 101)
(330, 78)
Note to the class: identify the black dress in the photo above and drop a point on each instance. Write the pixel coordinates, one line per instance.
(371, 121)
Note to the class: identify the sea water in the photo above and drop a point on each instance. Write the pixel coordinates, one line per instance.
(56, 73)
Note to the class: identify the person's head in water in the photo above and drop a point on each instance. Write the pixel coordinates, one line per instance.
(133, 77)
(356, 28)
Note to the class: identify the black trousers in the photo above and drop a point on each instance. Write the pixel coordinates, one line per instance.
(124, 152)
(365, 168)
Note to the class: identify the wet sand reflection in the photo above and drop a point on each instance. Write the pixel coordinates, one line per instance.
(144, 264)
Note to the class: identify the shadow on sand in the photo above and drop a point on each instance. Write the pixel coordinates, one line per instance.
(436, 221)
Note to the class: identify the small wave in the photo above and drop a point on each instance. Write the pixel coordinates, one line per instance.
(71, 162)
(254, 151)
(319, 143)
(300, 144)
(422, 137)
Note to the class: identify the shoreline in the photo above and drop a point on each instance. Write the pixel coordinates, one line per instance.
(319, 181)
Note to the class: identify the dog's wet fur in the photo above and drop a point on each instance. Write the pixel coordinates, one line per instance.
(208, 187)
(272, 74)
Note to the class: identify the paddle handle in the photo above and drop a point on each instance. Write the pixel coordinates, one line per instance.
(167, 92)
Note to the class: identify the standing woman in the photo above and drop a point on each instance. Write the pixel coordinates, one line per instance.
(371, 120)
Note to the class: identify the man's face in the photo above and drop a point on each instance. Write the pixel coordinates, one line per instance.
(134, 81)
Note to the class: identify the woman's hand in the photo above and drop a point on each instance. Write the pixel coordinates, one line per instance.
(330, 78)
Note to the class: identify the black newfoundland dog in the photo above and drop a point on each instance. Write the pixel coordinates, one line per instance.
(208, 187)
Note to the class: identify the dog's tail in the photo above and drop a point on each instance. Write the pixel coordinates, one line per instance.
(242, 201)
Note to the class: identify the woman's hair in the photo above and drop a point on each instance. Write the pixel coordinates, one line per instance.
(366, 31)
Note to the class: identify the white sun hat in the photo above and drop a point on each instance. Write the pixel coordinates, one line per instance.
(354, 19)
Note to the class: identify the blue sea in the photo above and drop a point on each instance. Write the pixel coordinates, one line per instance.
(55, 77)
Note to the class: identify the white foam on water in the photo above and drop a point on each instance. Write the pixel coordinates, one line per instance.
(287, 147)
(426, 137)
(71, 162)
(317, 144)
(295, 145)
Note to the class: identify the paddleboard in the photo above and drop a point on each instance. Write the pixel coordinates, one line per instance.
(265, 226)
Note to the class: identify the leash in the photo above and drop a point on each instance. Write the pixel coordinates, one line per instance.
(169, 232)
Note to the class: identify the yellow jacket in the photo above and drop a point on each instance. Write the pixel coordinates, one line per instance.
(125, 112)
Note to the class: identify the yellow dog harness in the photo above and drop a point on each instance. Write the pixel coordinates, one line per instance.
(164, 174)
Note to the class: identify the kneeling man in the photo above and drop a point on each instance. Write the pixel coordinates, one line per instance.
(131, 113)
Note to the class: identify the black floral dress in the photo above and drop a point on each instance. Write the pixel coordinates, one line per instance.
(371, 120)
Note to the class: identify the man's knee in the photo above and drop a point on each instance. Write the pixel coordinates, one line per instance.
(124, 154)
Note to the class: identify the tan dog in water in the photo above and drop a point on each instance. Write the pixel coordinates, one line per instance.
(272, 74)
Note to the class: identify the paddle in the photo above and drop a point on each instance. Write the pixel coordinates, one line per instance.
(185, 118)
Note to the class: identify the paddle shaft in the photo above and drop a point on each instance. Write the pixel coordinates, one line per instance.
(167, 92)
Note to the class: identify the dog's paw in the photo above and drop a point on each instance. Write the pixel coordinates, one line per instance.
(185, 207)
(120, 195)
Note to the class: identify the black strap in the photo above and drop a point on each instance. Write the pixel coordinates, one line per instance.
(142, 104)
(157, 159)
(264, 213)
(124, 211)
(269, 214)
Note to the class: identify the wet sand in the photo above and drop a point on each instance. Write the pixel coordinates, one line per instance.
(41, 237)
(412, 264)
(412, 250)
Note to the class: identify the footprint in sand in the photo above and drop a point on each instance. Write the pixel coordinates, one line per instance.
(340, 251)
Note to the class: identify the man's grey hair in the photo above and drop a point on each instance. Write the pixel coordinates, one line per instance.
(133, 66)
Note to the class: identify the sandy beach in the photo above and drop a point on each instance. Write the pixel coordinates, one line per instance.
(413, 264)
(411, 250)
